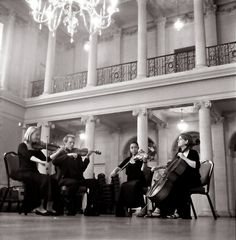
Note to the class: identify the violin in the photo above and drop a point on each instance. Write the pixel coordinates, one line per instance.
(84, 151)
(43, 145)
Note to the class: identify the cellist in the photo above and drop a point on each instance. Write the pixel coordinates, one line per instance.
(177, 203)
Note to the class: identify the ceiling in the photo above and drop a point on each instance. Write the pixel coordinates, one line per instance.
(116, 121)
(126, 17)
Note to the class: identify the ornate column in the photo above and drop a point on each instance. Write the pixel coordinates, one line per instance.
(89, 142)
(161, 39)
(142, 128)
(210, 22)
(9, 36)
(142, 39)
(92, 61)
(200, 39)
(206, 150)
(50, 61)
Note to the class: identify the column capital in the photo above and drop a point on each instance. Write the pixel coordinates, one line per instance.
(210, 8)
(117, 32)
(202, 104)
(46, 124)
(90, 119)
(160, 21)
(140, 111)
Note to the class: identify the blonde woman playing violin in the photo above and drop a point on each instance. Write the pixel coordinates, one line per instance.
(29, 157)
(131, 192)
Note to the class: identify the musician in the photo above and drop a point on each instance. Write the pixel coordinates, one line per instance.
(29, 157)
(131, 192)
(177, 204)
(71, 166)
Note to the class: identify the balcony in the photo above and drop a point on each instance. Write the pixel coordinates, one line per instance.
(171, 63)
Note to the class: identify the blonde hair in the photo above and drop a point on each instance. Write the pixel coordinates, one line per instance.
(29, 132)
(65, 139)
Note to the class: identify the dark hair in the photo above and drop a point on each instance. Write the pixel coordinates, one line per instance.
(188, 137)
(134, 142)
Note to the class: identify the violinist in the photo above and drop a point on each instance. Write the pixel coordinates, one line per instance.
(177, 204)
(29, 157)
(131, 192)
(71, 166)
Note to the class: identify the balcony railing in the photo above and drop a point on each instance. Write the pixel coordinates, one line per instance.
(69, 82)
(117, 73)
(171, 63)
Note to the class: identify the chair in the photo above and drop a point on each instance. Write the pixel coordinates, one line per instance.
(11, 161)
(206, 170)
(82, 194)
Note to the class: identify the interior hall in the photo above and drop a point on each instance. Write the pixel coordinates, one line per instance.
(111, 73)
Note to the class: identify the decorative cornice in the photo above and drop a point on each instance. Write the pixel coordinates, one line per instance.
(227, 8)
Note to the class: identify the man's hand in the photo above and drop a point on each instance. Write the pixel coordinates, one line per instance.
(89, 153)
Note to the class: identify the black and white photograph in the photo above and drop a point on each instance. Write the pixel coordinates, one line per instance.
(118, 119)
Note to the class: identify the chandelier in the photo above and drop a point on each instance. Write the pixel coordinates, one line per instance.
(182, 125)
(95, 14)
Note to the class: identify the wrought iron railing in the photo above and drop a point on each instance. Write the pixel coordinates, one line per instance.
(117, 73)
(69, 82)
(37, 88)
(221, 54)
(172, 63)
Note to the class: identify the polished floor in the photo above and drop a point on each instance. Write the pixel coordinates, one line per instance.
(32, 227)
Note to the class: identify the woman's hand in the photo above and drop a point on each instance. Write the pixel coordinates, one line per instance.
(181, 155)
(74, 155)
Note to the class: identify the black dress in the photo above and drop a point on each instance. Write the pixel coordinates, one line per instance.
(179, 197)
(37, 183)
(131, 192)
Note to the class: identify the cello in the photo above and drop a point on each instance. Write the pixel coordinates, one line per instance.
(163, 186)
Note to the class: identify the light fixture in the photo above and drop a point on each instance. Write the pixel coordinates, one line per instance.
(96, 14)
(182, 125)
(82, 136)
(178, 23)
(86, 46)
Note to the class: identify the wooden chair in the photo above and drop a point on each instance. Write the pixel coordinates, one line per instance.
(11, 161)
(206, 170)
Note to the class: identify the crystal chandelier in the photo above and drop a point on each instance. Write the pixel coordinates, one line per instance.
(95, 14)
